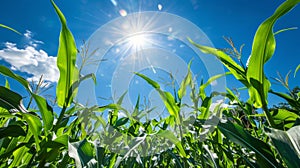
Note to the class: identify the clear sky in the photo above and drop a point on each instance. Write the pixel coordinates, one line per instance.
(33, 53)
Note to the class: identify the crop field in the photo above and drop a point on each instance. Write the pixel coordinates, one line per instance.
(236, 132)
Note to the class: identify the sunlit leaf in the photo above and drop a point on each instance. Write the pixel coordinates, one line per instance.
(7, 84)
(7, 72)
(286, 29)
(237, 71)
(186, 81)
(35, 126)
(263, 48)
(209, 81)
(296, 70)
(66, 59)
(167, 98)
(46, 112)
(9, 28)
(284, 118)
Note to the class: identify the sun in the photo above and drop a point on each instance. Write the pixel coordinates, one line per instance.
(137, 41)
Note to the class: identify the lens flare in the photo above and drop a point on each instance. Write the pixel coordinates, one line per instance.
(123, 12)
(137, 41)
(154, 44)
(159, 6)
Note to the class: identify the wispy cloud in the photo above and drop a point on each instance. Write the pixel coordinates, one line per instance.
(30, 60)
(29, 37)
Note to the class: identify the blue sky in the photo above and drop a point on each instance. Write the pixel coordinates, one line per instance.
(34, 53)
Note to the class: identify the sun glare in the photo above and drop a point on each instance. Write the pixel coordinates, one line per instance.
(137, 41)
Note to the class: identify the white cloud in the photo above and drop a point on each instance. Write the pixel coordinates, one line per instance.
(28, 34)
(30, 60)
(29, 37)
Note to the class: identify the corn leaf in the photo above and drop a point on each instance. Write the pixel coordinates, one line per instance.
(287, 144)
(238, 135)
(297, 69)
(263, 48)
(7, 85)
(46, 112)
(35, 126)
(66, 59)
(284, 118)
(7, 72)
(171, 137)
(12, 131)
(186, 81)
(237, 71)
(10, 100)
(82, 152)
(168, 99)
(294, 103)
(9, 28)
(209, 81)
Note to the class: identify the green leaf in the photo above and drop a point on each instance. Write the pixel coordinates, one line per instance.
(12, 131)
(237, 71)
(168, 99)
(286, 29)
(46, 112)
(150, 81)
(294, 103)
(7, 72)
(171, 137)
(121, 121)
(82, 152)
(284, 117)
(297, 69)
(35, 126)
(62, 139)
(287, 144)
(263, 48)
(9, 28)
(186, 81)
(7, 84)
(10, 100)
(209, 81)
(238, 135)
(66, 59)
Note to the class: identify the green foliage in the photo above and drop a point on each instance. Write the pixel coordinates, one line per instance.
(36, 137)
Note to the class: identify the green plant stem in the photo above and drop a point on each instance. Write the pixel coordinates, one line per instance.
(61, 116)
(268, 116)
